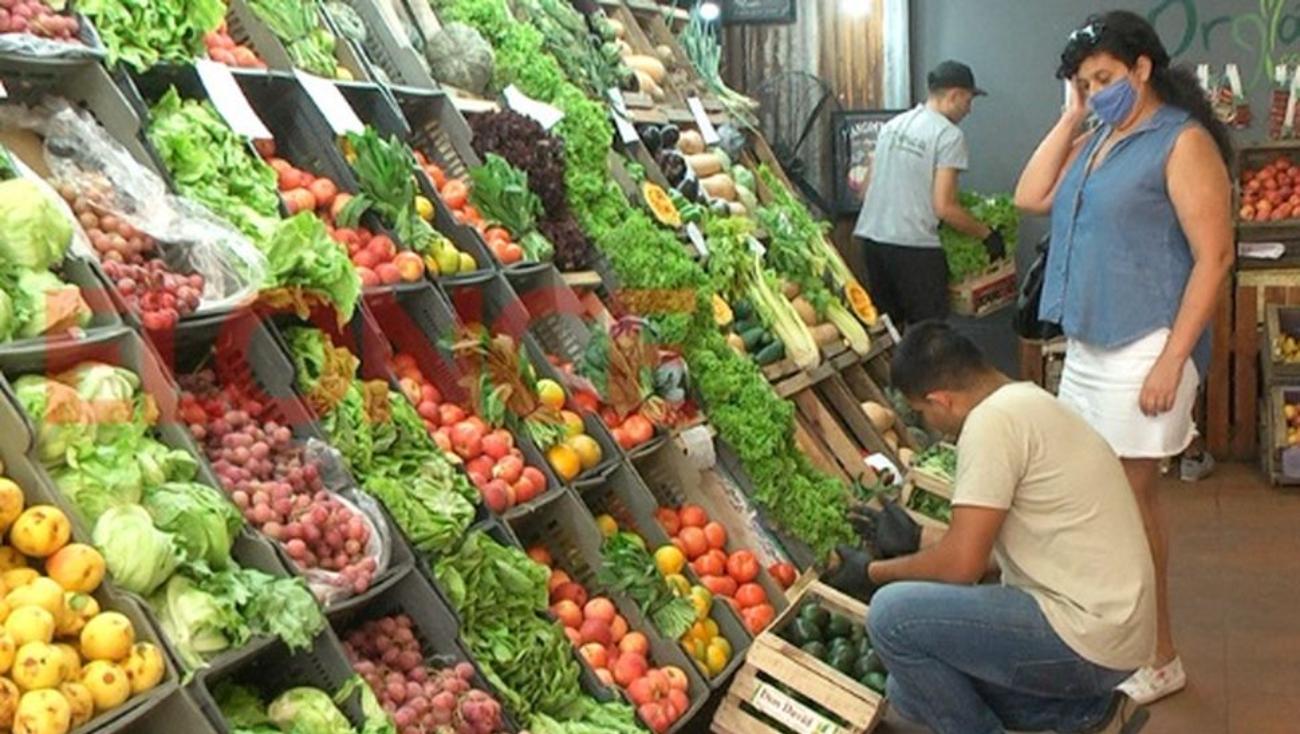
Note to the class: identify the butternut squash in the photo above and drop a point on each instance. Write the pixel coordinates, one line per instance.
(825, 334)
(806, 312)
(790, 289)
(648, 64)
(737, 208)
(691, 142)
(719, 186)
(649, 86)
(620, 30)
(704, 164)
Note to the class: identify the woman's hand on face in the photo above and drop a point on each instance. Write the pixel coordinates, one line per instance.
(1076, 104)
(1161, 386)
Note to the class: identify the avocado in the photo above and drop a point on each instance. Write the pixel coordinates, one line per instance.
(861, 667)
(864, 646)
(875, 681)
(815, 614)
(814, 648)
(839, 626)
(837, 644)
(842, 659)
(805, 631)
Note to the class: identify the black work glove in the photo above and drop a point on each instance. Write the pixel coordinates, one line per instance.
(995, 246)
(848, 573)
(891, 530)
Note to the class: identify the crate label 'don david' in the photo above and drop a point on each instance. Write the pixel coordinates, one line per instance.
(788, 711)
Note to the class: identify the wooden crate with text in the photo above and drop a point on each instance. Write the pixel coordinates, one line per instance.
(781, 688)
(981, 295)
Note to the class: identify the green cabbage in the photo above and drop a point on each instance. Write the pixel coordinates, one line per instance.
(34, 231)
(63, 420)
(140, 557)
(197, 623)
(308, 710)
(204, 523)
(51, 305)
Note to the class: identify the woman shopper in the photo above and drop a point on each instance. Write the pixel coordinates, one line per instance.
(1141, 243)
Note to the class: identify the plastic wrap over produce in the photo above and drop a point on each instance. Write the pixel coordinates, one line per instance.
(85, 161)
(64, 46)
(331, 587)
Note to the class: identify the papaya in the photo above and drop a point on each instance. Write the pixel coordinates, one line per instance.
(661, 205)
(860, 303)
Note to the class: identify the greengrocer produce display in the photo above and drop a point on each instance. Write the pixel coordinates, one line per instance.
(336, 420)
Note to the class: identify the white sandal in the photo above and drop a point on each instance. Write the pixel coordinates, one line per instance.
(1149, 685)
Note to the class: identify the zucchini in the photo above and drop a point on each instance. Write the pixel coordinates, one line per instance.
(773, 352)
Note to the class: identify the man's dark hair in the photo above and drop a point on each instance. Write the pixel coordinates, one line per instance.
(933, 356)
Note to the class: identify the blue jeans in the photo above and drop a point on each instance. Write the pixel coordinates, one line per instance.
(981, 660)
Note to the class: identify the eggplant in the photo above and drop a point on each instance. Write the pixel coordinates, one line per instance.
(650, 137)
(673, 165)
(670, 135)
(690, 188)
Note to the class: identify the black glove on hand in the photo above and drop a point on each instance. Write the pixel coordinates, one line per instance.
(891, 530)
(850, 576)
(995, 246)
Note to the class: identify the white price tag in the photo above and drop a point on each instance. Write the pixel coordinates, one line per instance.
(4, 93)
(545, 115)
(229, 100)
(625, 130)
(889, 326)
(697, 239)
(884, 468)
(757, 247)
(707, 130)
(698, 444)
(331, 103)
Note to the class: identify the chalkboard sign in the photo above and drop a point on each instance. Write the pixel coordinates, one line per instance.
(856, 133)
(758, 11)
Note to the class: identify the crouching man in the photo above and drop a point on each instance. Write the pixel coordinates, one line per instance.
(1042, 494)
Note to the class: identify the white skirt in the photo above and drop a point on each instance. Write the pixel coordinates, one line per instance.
(1104, 386)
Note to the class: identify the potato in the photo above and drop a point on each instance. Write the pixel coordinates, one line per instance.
(10, 558)
(76, 567)
(15, 577)
(9, 695)
(40, 531)
(30, 624)
(107, 683)
(107, 636)
(43, 712)
(71, 664)
(38, 665)
(144, 666)
(77, 610)
(81, 703)
(39, 592)
(11, 503)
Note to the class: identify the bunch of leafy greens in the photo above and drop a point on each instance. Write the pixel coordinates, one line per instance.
(142, 34)
(205, 617)
(501, 193)
(630, 569)
(301, 710)
(200, 518)
(659, 280)
(385, 444)
(589, 61)
(966, 254)
(386, 172)
(213, 165)
(297, 23)
(301, 254)
(500, 594)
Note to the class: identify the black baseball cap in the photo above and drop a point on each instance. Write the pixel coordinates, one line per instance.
(953, 75)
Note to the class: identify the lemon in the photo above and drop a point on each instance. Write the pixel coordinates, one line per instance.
(670, 560)
(424, 208)
(717, 656)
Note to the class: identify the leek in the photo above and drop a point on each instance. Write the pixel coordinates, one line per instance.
(850, 328)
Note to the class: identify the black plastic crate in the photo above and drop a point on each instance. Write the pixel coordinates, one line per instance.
(28, 67)
(248, 29)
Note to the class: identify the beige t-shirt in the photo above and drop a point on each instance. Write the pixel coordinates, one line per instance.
(1073, 536)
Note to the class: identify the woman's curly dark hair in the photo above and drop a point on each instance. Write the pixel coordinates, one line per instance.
(1128, 36)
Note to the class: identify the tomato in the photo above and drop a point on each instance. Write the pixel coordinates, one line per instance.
(708, 565)
(455, 194)
(719, 585)
(784, 574)
(437, 175)
(750, 595)
(757, 618)
(742, 566)
(641, 430)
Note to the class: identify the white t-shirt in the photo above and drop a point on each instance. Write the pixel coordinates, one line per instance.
(899, 205)
(1073, 536)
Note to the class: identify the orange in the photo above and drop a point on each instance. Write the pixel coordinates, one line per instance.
(608, 525)
(550, 393)
(716, 535)
(587, 449)
(669, 560)
(565, 461)
(693, 539)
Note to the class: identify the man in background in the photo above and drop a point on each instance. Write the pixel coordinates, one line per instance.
(913, 188)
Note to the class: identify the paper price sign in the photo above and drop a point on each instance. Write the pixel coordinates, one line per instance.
(702, 121)
(331, 103)
(626, 132)
(229, 100)
(544, 114)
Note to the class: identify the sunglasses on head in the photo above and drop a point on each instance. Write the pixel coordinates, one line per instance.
(1088, 34)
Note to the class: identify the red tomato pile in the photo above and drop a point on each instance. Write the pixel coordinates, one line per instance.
(629, 432)
(375, 256)
(494, 464)
(1271, 193)
(223, 49)
(455, 194)
(731, 576)
(619, 656)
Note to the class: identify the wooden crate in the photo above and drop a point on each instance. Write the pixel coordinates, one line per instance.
(1275, 445)
(819, 420)
(756, 696)
(989, 291)
(836, 395)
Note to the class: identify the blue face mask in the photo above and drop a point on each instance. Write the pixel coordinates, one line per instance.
(1114, 103)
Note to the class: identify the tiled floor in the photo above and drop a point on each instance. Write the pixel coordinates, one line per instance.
(1235, 583)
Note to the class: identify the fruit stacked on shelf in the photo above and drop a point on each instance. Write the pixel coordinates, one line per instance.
(702, 543)
(131, 258)
(374, 255)
(420, 697)
(493, 462)
(618, 655)
(627, 431)
(64, 660)
(455, 193)
(223, 49)
(1271, 192)
(1291, 412)
(272, 481)
(37, 18)
(1286, 348)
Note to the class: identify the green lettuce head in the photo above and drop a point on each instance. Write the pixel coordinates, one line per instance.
(51, 306)
(204, 522)
(63, 420)
(139, 556)
(34, 231)
(308, 709)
